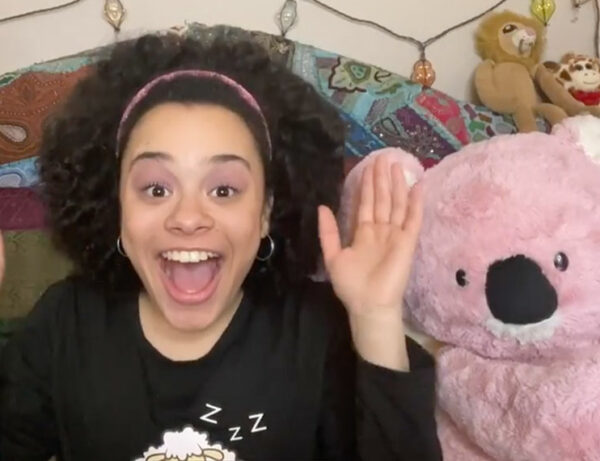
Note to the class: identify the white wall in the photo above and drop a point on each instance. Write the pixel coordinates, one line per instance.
(81, 26)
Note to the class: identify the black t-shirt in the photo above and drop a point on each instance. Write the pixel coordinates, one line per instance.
(282, 383)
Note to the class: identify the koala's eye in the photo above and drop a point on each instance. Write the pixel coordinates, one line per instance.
(461, 278)
(561, 261)
(588, 66)
(578, 67)
(507, 29)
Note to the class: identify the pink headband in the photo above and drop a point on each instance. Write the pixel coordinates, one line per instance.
(201, 74)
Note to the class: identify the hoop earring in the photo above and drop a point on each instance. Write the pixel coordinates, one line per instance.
(271, 250)
(120, 249)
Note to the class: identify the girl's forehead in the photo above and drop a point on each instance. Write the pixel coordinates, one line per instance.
(180, 131)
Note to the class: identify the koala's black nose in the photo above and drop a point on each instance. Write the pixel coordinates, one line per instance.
(518, 292)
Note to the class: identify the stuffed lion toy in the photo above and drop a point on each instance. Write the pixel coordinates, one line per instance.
(511, 46)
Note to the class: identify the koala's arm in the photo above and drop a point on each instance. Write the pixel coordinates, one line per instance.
(487, 91)
(515, 411)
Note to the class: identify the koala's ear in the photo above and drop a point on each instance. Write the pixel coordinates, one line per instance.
(583, 130)
(413, 172)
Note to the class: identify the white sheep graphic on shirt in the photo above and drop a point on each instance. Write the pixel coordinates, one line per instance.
(187, 445)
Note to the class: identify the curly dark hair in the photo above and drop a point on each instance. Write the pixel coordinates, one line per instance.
(80, 171)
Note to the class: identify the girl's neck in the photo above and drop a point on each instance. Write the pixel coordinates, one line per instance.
(180, 345)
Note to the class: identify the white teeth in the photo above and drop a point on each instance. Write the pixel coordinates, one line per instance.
(189, 256)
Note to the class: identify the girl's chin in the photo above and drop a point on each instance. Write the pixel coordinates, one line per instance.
(189, 318)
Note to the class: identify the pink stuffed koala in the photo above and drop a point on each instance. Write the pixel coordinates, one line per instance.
(507, 277)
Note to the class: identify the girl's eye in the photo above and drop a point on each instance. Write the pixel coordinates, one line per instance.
(223, 192)
(156, 191)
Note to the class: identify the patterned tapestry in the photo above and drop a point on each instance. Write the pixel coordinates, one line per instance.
(380, 109)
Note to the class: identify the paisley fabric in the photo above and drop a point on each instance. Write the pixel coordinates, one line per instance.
(398, 112)
(27, 100)
(22, 173)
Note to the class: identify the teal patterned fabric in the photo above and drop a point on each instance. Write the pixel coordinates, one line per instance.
(22, 173)
(386, 109)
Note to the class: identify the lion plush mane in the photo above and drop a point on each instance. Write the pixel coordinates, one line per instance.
(488, 44)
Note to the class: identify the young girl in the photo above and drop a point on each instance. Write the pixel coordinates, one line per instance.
(185, 181)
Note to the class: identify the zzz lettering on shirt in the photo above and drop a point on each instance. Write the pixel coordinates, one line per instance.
(190, 445)
(236, 431)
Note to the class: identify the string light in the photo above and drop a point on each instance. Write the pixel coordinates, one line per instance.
(543, 10)
(287, 16)
(423, 71)
(114, 13)
(39, 11)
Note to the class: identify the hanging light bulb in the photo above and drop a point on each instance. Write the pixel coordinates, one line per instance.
(114, 13)
(286, 18)
(543, 10)
(423, 73)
